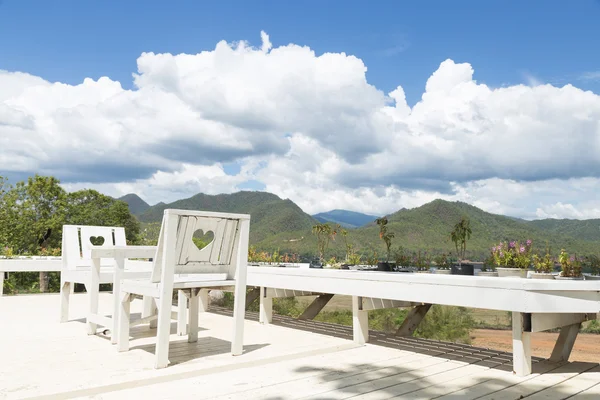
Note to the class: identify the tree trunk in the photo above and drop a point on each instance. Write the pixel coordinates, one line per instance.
(43, 282)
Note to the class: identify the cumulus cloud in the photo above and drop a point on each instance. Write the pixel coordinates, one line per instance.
(308, 127)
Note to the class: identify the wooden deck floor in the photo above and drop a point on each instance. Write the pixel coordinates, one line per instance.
(40, 358)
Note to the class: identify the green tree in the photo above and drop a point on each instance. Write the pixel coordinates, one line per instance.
(385, 235)
(460, 235)
(33, 212)
(89, 207)
(325, 233)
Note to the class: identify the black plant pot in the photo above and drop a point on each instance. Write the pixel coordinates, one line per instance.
(316, 264)
(464, 269)
(384, 266)
(346, 266)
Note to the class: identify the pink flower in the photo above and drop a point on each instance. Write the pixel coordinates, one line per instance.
(529, 242)
(511, 245)
(501, 254)
(522, 249)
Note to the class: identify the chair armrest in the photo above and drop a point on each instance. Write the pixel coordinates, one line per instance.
(124, 251)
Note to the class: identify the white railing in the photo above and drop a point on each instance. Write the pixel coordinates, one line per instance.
(28, 264)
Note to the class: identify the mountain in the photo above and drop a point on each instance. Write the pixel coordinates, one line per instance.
(347, 219)
(588, 229)
(270, 215)
(136, 205)
(428, 228)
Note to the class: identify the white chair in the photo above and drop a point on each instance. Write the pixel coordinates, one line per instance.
(180, 265)
(90, 265)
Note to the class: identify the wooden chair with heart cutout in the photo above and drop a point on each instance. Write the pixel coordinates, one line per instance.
(180, 265)
(81, 246)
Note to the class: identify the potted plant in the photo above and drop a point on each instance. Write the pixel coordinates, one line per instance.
(593, 262)
(403, 260)
(325, 233)
(442, 264)
(422, 262)
(459, 235)
(571, 267)
(387, 239)
(543, 266)
(488, 268)
(512, 259)
(372, 260)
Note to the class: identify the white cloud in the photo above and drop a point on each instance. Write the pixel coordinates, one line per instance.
(310, 128)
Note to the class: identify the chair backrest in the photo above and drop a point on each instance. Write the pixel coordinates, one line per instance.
(178, 254)
(77, 239)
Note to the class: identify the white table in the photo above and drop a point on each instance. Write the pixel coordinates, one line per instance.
(536, 305)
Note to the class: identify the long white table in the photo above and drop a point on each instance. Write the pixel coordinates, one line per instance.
(536, 305)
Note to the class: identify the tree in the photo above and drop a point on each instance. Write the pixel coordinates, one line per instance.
(385, 235)
(460, 235)
(33, 212)
(89, 207)
(324, 233)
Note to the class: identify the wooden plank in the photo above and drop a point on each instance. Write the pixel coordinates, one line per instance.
(360, 322)
(412, 320)
(543, 322)
(252, 296)
(521, 345)
(540, 382)
(370, 303)
(564, 343)
(316, 306)
(265, 315)
(495, 382)
(575, 385)
(276, 292)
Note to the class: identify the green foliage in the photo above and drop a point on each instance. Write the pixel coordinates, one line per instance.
(570, 265)
(592, 262)
(442, 261)
(453, 324)
(402, 257)
(325, 233)
(544, 263)
(459, 235)
(32, 214)
(385, 235)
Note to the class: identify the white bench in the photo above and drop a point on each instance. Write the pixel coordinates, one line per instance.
(536, 305)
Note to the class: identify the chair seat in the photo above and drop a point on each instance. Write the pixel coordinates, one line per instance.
(143, 287)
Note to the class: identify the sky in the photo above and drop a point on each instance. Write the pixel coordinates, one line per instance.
(332, 104)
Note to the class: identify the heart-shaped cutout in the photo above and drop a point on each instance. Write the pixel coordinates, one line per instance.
(97, 240)
(201, 239)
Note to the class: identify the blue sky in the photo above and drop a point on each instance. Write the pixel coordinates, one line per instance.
(502, 102)
(401, 42)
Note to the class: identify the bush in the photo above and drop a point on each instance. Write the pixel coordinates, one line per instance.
(451, 324)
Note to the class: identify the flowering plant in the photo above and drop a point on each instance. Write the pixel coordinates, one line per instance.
(513, 254)
(571, 266)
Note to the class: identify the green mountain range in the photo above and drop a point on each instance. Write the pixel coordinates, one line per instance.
(346, 219)
(281, 224)
(136, 205)
(270, 215)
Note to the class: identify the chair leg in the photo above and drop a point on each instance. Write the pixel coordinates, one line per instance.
(149, 309)
(124, 316)
(181, 310)
(163, 332)
(193, 317)
(94, 294)
(239, 310)
(65, 294)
